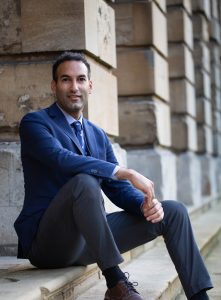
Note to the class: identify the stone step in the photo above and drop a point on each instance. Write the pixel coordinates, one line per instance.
(154, 270)
(213, 263)
(20, 280)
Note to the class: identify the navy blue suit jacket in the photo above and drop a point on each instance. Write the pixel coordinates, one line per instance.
(51, 155)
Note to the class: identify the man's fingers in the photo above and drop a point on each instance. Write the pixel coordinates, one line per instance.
(154, 213)
(156, 217)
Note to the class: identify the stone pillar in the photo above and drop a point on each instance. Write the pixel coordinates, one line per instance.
(144, 108)
(207, 69)
(32, 34)
(215, 44)
(215, 53)
(183, 100)
(201, 21)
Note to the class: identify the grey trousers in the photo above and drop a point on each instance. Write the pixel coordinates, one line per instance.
(75, 230)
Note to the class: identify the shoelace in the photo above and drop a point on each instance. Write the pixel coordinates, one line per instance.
(130, 285)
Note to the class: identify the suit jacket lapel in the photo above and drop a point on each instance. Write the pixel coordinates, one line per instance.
(60, 120)
(90, 138)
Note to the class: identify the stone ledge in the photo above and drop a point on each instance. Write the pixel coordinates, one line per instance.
(20, 280)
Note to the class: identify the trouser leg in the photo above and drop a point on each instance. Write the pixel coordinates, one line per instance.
(181, 245)
(130, 231)
(74, 229)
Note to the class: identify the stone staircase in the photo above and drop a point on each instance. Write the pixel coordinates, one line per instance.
(150, 265)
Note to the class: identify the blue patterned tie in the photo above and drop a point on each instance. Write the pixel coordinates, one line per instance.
(79, 134)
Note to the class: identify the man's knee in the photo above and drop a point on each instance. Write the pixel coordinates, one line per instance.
(174, 208)
(84, 183)
(86, 179)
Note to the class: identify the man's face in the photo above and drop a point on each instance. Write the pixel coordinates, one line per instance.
(72, 87)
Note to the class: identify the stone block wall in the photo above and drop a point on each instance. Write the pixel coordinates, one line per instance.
(143, 85)
(32, 35)
(166, 95)
(165, 90)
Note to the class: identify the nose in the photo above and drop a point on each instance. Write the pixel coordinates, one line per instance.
(74, 86)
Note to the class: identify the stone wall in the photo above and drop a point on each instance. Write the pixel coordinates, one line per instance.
(168, 72)
(32, 34)
(143, 89)
(164, 63)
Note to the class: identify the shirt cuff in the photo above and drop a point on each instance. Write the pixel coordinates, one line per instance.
(114, 172)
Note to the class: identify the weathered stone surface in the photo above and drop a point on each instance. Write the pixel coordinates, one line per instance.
(203, 84)
(216, 143)
(11, 176)
(218, 173)
(184, 134)
(162, 4)
(137, 23)
(204, 111)
(214, 29)
(179, 26)
(202, 6)
(144, 121)
(137, 120)
(189, 179)
(215, 177)
(214, 53)
(10, 24)
(201, 55)
(184, 3)
(159, 166)
(214, 9)
(146, 65)
(182, 97)
(47, 26)
(216, 98)
(7, 232)
(200, 27)
(24, 88)
(207, 175)
(181, 62)
(204, 139)
(216, 121)
(215, 75)
(103, 101)
(12, 191)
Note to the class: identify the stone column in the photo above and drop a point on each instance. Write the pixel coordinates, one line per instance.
(143, 88)
(32, 34)
(215, 53)
(206, 90)
(183, 100)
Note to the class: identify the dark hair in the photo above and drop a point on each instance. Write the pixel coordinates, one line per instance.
(69, 56)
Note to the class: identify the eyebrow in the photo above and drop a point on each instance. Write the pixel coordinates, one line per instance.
(66, 75)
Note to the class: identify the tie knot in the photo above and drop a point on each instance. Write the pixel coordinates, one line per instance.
(77, 126)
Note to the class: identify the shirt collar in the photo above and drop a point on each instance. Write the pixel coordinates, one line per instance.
(68, 117)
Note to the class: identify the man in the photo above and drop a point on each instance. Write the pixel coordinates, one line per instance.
(67, 160)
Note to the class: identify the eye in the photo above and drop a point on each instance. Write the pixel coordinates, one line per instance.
(82, 79)
(65, 79)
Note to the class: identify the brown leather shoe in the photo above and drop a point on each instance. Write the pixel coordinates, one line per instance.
(124, 290)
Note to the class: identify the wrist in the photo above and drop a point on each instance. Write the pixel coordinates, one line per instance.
(124, 173)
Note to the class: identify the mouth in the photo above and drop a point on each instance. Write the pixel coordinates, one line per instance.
(74, 97)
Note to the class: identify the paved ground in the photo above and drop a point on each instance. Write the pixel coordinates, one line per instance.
(213, 263)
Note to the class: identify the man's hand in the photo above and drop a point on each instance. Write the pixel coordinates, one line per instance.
(153, 211)
(138, 181)
(152, 208)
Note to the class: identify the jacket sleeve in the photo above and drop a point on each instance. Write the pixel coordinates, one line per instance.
(121, 192)
(39, 143)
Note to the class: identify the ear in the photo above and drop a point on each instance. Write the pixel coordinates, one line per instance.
(90, 87)
(53, 86)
